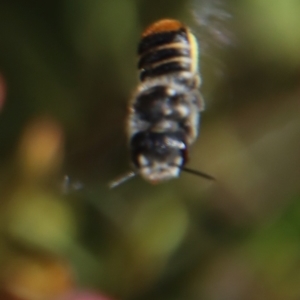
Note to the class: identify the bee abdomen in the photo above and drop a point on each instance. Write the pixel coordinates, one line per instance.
(164, 49)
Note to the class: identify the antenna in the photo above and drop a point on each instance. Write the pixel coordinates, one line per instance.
(197, 173)
(121, 179)
(125, 177)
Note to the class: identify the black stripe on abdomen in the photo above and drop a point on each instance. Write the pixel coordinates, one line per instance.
(165, 69)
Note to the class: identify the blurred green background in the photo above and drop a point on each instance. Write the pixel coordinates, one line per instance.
(67, 70)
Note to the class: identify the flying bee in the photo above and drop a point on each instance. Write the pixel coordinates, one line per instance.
(164, 112)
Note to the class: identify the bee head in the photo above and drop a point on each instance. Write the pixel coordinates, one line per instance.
(158, 156)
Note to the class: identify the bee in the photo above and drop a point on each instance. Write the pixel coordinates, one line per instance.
(164, 112)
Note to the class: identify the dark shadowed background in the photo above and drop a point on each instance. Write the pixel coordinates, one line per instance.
(67, 70)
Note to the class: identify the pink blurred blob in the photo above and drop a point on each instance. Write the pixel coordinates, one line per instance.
(3, 89)
(86, 295)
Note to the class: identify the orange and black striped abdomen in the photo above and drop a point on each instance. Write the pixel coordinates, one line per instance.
(164, 49)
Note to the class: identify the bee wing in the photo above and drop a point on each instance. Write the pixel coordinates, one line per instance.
(214, 20)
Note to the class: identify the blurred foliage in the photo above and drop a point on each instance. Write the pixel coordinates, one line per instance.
(67, 70)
